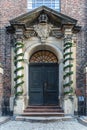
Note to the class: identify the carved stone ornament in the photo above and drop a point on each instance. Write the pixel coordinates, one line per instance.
(68, 37)
(43, 31)
(57, 34)
(29, 34)
(18, 36)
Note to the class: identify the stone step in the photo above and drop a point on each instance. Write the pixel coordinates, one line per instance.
(41, 107)
(51, 106)
(42, 110)
(59, 114)
(44, 118)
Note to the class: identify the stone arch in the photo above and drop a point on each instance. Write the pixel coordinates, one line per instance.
(33, 48)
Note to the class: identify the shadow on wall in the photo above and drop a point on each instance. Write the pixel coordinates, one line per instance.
(5, 107)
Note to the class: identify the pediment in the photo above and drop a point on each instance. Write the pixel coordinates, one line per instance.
(54, 17)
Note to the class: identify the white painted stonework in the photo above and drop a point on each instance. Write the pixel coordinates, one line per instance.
(68, 106)
(19, 107)
(55, 45)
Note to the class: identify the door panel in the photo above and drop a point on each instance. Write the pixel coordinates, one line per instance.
(43, 85)
(51, 90)
(36, 87)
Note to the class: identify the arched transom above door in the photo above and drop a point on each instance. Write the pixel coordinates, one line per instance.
(43, 56)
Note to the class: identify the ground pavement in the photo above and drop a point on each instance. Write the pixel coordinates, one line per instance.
(42, 125)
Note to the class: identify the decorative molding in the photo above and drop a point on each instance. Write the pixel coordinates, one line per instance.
(29, 34)
(43, 18)
(19, 35)
(68, 38)
(43, 30)
(57, 34)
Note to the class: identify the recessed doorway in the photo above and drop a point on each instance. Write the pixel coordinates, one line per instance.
(43, 78)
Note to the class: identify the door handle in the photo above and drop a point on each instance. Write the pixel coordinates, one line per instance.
(45, 85)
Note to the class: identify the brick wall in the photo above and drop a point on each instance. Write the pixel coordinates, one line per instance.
(9, 9)
(74, 9)
(77, 9)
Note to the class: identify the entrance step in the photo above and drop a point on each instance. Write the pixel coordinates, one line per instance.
(43, 111)
(44, 118)
(36, 107)
(43, 114)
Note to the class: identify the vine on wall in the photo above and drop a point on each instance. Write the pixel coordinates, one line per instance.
(18, 58)
(68, 68)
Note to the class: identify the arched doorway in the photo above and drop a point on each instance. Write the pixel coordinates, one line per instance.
(43, 78)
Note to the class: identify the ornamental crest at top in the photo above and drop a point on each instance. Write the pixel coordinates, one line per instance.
(43, 29)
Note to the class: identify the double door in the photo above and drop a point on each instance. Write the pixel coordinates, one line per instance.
(43, 84)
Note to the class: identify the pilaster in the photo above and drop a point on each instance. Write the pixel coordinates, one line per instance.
(18, 72)
(67, 78)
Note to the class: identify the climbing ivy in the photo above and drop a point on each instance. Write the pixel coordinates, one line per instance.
(69, 92)
(18, 84)
(18, 58)
(67, 67)
(18, 77)
(67, 59)
(17, 55)
(68, 84)
(18, 69)
(68, 53)
(68, 74)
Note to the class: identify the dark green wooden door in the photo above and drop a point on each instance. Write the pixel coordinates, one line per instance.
(43, 84)
(51, 84)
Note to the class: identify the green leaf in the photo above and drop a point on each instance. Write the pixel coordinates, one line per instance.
(21, 54)
(19, 60)
(66, 48)
(19, 43)
(68, 84)
(68, 44)
(68, 53)
(68, 74)
(68, 66)
(17, 69)
(18, 93)
(17, 48)
(19, 84)
(70, 58)
(18, 77)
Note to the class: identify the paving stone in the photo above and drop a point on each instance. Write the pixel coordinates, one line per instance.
(57, 125)
(4, 119)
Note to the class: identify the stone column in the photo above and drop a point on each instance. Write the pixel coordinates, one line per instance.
(19, 83)
(68, 83)
(1, 88)
(26, 77)
(61, 83)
